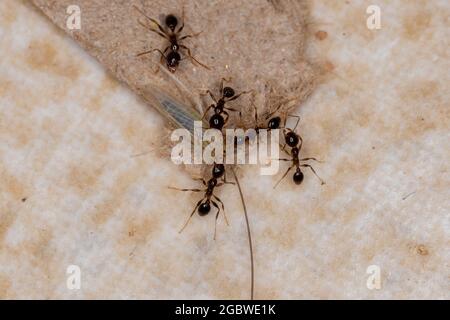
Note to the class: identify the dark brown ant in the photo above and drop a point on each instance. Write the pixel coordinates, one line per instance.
(218, 120)
(203, 207)
(295, 142)
(172, 35)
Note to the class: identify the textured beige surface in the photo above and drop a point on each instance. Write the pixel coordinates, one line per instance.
(72, 194)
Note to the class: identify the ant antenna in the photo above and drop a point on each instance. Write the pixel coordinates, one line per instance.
(250, 244)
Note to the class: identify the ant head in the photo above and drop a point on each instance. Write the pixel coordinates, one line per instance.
(291, 139)
(216, 121)
(173, 60)
(298, 176)
(218, 170)
(204, 208)
(274, 123)
(228, 92)
(171, 22)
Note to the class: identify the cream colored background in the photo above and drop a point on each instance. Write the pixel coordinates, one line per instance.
(380, 120)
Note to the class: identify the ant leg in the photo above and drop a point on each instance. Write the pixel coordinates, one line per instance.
(285, 174)
(201, 179)
(221, 83)
(153, 30)
(256, 113)
(215, 220)
(190, 216)
(298, 120)
(184, 190)
(193, 58)
(314, 159)
(161, 29)
(223, 209)
(273, 112)
(206, 111)
(228, 116)
(153, 50)
(284, 149)
(232, 109)
(225, 179)
(190, 36)
(312, 169)
(211, 95)
(301, 143)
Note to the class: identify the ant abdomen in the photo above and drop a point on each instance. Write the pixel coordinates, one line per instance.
(216, 121)
(204, 209)
(298, 177)
(173, 60)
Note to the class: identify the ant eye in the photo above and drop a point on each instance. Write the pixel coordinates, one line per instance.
(171, 21)
(228, 92)
(173, 59)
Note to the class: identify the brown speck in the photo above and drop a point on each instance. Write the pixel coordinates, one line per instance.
(321, 35)
(24, 199)
(44, 56)
(328, 66)
(422, 250)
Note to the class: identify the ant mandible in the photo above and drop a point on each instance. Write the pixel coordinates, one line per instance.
(203, 206)
(295, 142)
(170, 33)
(217, 120)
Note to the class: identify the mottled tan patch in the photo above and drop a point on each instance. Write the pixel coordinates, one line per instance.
(415, 25)
(5, 86)
(5, 285)
(7, 218)
(12, 185)
(100, 143)
(84, 178)
(115, 198)
(136, 233)
(8, 13)
(419, 89)
(42, 55)
(107, 87)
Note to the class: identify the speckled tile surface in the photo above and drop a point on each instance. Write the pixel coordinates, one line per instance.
(72, 194)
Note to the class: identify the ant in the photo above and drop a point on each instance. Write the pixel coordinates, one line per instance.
(217, 120)
(203, 206)
(172, 34)
(295, 142)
